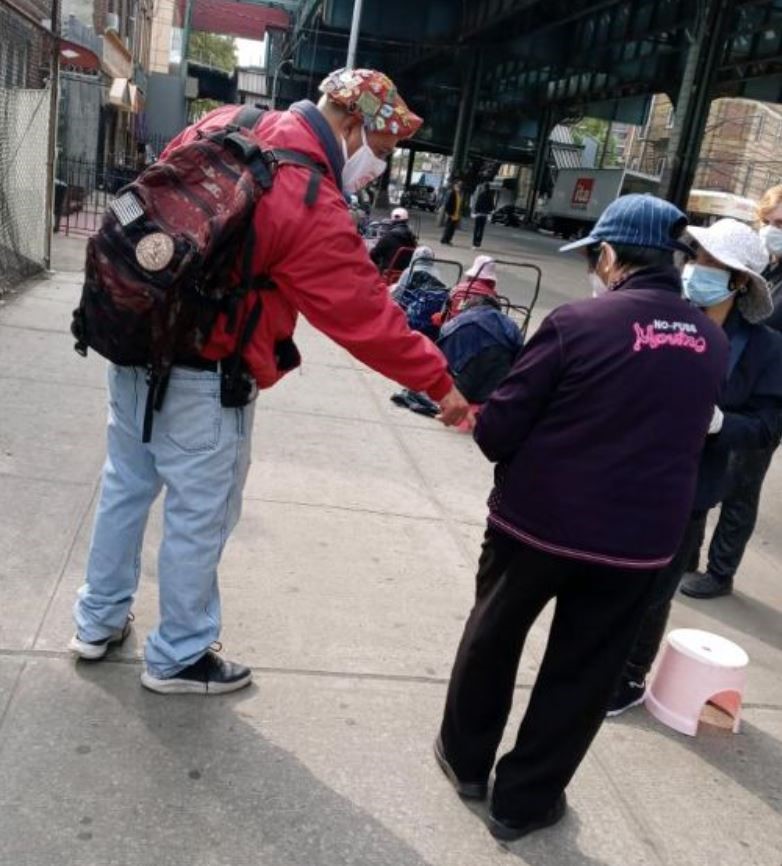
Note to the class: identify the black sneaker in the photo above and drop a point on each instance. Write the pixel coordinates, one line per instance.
(628, 694)
(466, 790)
(210, 675)
(508, 830)
(93, 650)
(705, 585)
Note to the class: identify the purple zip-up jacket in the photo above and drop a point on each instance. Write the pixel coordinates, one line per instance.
(598, 429)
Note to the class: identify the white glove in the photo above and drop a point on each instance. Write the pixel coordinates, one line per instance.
(716, 421)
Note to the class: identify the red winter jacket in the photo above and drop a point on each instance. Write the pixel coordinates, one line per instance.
(321, 268)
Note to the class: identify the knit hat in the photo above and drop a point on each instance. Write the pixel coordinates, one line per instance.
(373, 96)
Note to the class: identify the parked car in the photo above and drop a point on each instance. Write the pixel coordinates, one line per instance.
(421, 196)
(509, 215)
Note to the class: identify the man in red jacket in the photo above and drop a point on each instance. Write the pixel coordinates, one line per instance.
(306, 246)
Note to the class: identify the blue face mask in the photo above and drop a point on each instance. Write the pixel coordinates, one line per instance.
(704, 286)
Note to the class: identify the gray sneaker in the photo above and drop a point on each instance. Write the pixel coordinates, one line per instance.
(93, 650)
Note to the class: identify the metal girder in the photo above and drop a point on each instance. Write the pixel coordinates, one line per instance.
(291, 6)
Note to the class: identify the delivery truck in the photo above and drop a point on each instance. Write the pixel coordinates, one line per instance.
(580, 195)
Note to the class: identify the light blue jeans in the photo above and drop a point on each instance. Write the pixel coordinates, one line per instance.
(200, 453)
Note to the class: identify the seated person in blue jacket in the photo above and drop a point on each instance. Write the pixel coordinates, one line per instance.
(596, 435)
(480, 345)
(725, 282)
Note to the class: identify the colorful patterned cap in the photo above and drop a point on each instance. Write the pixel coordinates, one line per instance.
(374, 96)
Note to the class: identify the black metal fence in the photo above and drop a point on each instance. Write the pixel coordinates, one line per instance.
(84, 189)
(82, 193)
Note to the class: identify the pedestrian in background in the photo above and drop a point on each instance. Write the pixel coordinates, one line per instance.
(726, 282)
(748, 467)
(596, 434)
(453, 212)
(484, 205)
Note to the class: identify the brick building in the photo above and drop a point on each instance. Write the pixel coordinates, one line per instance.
(741, 151)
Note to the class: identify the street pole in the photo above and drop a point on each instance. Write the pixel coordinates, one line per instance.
(277, 69)
(354, 28)
(186, 26)
(51, 149)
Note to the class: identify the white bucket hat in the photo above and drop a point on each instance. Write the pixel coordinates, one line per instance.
(483, 268)
(399, 214)
(735, 245)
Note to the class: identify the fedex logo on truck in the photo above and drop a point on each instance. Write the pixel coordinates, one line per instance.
(582, 192)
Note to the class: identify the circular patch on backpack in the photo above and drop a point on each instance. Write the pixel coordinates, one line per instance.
(155, 251)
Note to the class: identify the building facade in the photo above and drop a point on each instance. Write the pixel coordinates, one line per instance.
(741, 148)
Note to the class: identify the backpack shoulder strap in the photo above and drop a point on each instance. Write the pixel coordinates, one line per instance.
(283, 156)
(248, 116)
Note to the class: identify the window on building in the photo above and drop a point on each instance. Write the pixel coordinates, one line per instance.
(661, 166)
(635, 165)
(669, 121)
(760, 124)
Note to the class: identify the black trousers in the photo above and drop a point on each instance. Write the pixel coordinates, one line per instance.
(739, 512)
(653, 624)
(448, 231)
(598, 610)
(478, 229)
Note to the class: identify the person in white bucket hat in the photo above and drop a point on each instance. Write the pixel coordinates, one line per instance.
(730, 260)
(739, 509)
(725, 280)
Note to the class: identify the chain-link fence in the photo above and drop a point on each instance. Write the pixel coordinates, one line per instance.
(25, 111)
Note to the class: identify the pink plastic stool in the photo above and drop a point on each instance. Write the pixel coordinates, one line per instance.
(696, 668)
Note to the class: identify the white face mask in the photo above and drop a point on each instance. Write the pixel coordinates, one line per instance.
(772, 238)
(361, 168)
(597, 285)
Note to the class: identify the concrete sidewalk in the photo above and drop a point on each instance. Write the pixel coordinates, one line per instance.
(345, 586)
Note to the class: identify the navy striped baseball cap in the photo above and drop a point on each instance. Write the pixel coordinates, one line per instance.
(638, 221)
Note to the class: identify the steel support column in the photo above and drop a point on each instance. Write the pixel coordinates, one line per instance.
(466, 118)
(541, 160)
(694, 99)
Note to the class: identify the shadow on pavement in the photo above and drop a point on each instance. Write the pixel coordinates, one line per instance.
(751, 758)
(237, 798)
(742, 613)
(554, 846)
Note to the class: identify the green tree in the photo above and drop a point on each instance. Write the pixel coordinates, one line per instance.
(213, 50)
(593, 127)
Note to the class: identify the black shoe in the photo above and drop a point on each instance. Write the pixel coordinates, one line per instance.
(628, 694)
(508, 830)
(93, 650)
(705, 585)
(467, 790)
(210, 675)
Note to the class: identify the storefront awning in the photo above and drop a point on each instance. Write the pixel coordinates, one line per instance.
(75, 56)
